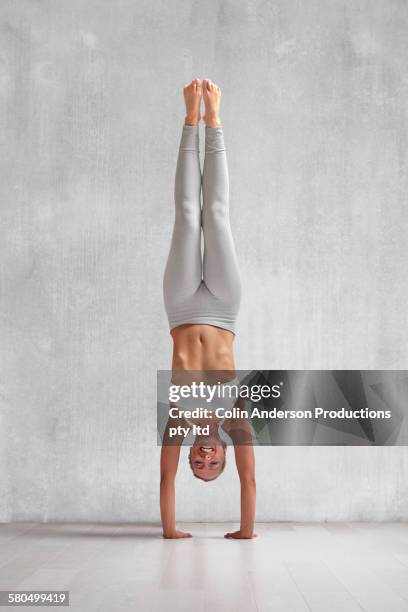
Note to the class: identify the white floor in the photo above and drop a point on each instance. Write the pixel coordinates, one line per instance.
(328, 567)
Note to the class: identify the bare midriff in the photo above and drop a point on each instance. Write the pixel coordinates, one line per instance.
(203, 348)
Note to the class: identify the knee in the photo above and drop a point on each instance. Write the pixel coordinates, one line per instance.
(217, 212)
(189, 213)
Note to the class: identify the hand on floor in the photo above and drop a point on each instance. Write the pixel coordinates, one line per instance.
(176, 535)
(240, 535)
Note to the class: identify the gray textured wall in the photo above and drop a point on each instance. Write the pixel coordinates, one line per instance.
(315, 119)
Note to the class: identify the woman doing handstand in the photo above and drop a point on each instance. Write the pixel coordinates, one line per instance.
(202, 296)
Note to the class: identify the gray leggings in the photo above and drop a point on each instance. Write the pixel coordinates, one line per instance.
(204, 291)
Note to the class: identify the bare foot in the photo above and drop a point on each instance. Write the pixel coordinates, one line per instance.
(212, 100)
(192, 97)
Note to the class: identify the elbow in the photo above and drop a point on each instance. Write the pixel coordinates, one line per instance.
(166, 480)
(248, 480)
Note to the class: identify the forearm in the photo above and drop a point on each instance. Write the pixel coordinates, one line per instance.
(168, 506)
(248, 505)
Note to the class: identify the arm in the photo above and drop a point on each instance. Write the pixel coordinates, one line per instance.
(245, 462)
(169, 459)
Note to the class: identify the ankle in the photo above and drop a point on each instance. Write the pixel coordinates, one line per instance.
(192, 120)
(212, 121)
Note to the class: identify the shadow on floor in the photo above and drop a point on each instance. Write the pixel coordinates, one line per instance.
(98, 530)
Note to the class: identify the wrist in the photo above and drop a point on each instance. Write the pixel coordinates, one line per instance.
(247, 533)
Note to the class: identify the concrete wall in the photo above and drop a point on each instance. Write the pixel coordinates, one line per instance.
(315, 120)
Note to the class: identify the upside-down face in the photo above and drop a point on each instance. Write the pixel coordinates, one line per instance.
(207, 462)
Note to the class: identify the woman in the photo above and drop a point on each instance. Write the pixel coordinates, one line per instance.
(202, 296)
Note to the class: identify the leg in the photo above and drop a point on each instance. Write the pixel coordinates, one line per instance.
(183, 273)
(220, 267)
